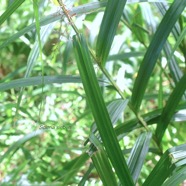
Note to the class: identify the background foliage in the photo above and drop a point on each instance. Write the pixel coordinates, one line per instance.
(92, 92)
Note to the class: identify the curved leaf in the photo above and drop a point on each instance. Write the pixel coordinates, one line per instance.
(154, 51)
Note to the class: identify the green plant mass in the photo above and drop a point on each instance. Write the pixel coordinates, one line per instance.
(93, 93)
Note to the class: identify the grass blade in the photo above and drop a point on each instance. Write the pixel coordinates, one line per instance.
(74, 166)
(103, 167)
(34, 54)
(86, 175)
(34, 81)
(11, 9)
(125, 55)
(150, 118)
(138, 154)
(176, 72)
(115, 109)
(36, 15)
(15, 146)
(108, 28)
(177, 177)
(170, 108)
(166, 165)
(154, 50)
(99, 111)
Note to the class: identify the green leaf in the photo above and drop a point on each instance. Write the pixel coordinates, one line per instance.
(86, 175)
(66, 56)
(16, 145)
(167, 164)
(36, 15)
(137, 26)
(73, 167)
(10, 10)
(33, 81)
(170, 108)
(150, 118)
(125, 55)
(177, 177)
(154, 50)
(160, 92)
(108, 28)
(179, 39)
(115, 109)
(34, 54)
(99, 111)
(103, 167)
(175, 70)
(138, 154)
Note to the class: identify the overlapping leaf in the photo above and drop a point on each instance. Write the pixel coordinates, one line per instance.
(154, 51)
(170, 108)
(172, 160)
(99, 111)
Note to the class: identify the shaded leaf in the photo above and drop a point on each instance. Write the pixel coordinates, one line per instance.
(16, 145)
(108, 28)
(154, 50)
(170, 108)
(103, 167)
(99, 111)
(167, 164)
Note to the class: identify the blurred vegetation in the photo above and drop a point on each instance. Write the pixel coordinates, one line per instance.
(58, 127)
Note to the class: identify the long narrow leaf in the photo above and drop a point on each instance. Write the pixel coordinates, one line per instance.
(115, 109)
(103, 168)
(108, 28)
(166, 165)
(33, 81)
(99, 111)
(34, 54)
(15, 146)
(11, 9)
(170, 108)
(150, 118)
(178, 177)
(138, 154)
(36, 14)
(75, 166)
(154, 50)
(86, 175)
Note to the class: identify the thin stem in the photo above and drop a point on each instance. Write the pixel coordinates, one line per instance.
(141, 120)
(105, 72)
(66, 12)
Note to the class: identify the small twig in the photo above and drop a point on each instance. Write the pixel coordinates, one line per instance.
(66, 12)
